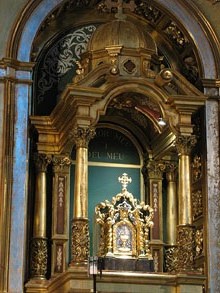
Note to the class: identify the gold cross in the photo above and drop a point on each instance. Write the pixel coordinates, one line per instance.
(124, 180)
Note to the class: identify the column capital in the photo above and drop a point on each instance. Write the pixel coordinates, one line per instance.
(41, 162)
(155, 169)
(185, 144)
(61, 163)
(171, 171)
(82, 136)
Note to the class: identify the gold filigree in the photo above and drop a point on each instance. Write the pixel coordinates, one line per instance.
(176, 35)
(185, 144)
(156, 261)
(82, 136)
(185, 243)
(80, 240)
(197, 204)
(199, 242)
(171, 259)
(196, 168)
(59, 258)
(125, 224)
(61, 163)
(39, 256)
(155, 169)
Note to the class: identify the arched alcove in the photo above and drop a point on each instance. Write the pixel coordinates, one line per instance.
(27, 37)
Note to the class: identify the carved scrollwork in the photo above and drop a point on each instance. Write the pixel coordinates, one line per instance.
(61, 163)
(124, 214)
(155, 169)
(185, 144)
(186, 244)
(80, 240)
(171, 259)
(148, 11)
(39, 256)
(196, 168)
(197, 204)
(176, 35)
(41, 162)
(82, 136)
(199, 242)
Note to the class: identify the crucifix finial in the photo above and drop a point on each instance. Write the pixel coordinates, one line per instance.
(124, 180)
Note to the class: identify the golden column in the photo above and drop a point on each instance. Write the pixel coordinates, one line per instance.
(80, 226)
(185, 230)
(39, 249)
(155, 176)
(171, 220)
(60, 212)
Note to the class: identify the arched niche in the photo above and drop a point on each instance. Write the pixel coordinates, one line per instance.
(26, 28)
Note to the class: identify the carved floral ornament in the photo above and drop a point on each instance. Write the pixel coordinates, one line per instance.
(82, 136)
(125, 224)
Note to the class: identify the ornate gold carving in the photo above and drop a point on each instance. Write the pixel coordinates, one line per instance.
(196, 168)
(155, 196)
(124, 224)
(61, 163)
(171, 259)
(81, 71)
(41, 162)
(39, 257)
(151, 13)
(113, 6)
(199, 242)
(82, 136)
(59, 258)
(155, 169)
(156, 261)
(184, 144)
(176, 35)
(185, 243)
(197, 204)
(80, 240)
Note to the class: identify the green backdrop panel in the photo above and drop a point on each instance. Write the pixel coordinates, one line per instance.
(112, 146)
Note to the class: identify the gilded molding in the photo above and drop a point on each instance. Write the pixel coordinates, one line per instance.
(185, 244)
(80, 241)
(39, 256)
(82, 136)
(185, 144)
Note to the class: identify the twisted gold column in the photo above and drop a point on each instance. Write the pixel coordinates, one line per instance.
(80, 227)
(39, 249)
(171, 221)
(185, 230)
